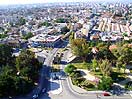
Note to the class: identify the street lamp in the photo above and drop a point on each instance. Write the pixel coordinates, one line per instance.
(96, 81)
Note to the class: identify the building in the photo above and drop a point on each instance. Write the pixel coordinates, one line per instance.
(45, 40)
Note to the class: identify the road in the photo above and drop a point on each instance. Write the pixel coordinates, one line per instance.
(68, 93)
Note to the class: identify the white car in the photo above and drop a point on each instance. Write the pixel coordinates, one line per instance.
(35, 96)
(44, 90)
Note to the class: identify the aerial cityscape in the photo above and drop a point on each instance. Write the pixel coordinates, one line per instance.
(74, 49)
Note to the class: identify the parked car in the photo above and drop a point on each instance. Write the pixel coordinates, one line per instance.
(44, 90)
(55, 77)
(35, 96)
(106, 94)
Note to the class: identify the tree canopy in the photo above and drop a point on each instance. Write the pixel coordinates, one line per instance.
(5, 55)
(61, 20)
(64, 30)
(80, 48)
(28, 35)
(17, 78)
(70, 68)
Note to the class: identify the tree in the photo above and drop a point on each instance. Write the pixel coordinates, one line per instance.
(22, 21)
(18, 79)
(105, 83)
(71, 37)
(5, 55)
(27, 63)
(6, 85)
(123, 55)
(105, 67)
(22, 86)
(69, 68)
(94, 64)
(118, 65)
(61, 20)
(47, 24)
(80, 48)
(3, 36)
(6, 81)
(105, 53)
(28, 35)
(64, 30)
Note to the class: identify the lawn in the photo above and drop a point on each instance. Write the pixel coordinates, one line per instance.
(82, 65)
(97, 73)
(55, 68)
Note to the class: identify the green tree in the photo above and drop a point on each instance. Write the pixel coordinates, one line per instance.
(105, 83)
(61, 20)
(27, 64)
(94, 64)
(80, 48)
(22, 86)
(28, 35)
(123, 55)
(64, 30)
(3, 36)
(105, 53)
(22, 21)
(6, 81)
(71, 37)
(47, 24)
(69, 68)
(118, 65)
(6, 85)
(5, 55)
(19, 79)
(105, 67)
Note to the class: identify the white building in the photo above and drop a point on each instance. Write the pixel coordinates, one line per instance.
(45, 40)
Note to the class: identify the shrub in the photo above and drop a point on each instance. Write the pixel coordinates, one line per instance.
(129, 85)
(70, 68)
(105, 83)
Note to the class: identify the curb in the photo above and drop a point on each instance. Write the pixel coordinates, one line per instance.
(130, 93)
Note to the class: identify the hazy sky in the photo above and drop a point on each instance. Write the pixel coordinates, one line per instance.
(6, 2)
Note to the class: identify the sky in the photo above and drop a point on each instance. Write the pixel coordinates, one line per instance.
(8, 2)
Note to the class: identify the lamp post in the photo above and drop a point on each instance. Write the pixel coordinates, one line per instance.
(96, 81)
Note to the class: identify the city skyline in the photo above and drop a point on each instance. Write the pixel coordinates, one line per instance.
(10, 2)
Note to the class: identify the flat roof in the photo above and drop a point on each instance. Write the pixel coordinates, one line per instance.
(45, 38)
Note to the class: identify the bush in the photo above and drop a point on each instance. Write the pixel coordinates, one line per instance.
(3, 36)
(70, 68)
(114, 75)
(75, 81)
(129, 85)
(87, 84)
(105, 83)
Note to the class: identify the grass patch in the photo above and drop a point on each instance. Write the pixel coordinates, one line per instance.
(130, 71)
(91, 89)
(114, 69)
(96, 73)
(55, 68)
(64, 49)
(82, 65)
